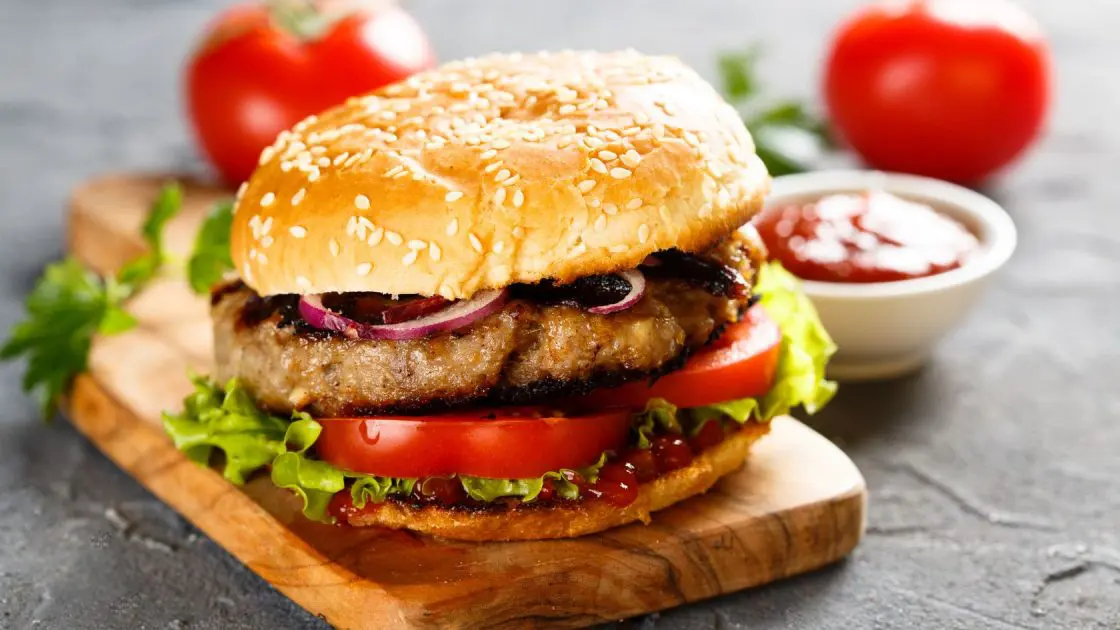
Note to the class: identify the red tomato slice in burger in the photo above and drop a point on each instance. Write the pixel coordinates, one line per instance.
(513, 443)
(741, 364)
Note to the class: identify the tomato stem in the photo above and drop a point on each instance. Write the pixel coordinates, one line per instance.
(304, 19)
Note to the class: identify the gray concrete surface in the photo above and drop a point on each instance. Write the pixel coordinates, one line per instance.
(994, 473)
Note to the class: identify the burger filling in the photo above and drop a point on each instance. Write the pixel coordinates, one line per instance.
(545, 342)
(610, 399)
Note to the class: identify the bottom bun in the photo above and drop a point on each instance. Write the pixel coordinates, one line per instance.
(528, 521)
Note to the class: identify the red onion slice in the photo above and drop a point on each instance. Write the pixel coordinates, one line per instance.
(457, 315)
(637, 290)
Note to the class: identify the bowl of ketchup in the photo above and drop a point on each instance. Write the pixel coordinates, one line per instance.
(892, 262)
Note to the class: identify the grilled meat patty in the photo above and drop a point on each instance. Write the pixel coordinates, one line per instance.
(528, 352)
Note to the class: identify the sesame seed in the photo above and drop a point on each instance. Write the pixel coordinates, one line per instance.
(333, 246)
(434, 251)
(298, 197)
(567, 109)
(643, 233)
(241, 190)
(252, 254)
(298, 231)
(492, 167)
(475, 243)
(631, 158)
(500, 196)
(286, 166)
(262, 259)
(361, 202)
(620, 173)
(376, 236)
(410, 258)
(598, 166)
(393, 171)
(267, 200)
(634, 204)
(502, 174)
(453, 227)
(267, 241)
(500, 144)
(417, 244)
(617, 249)
(453, 196)
(518, 232)
(324, 162)
(303, 282)
(486, 155)
(498, 247)
(313, 175)
(363, 269)
(601, 223)
(393, 237)
(610, 208)
(586, 186)
(267, 155)
(341, 157)
(607, 156)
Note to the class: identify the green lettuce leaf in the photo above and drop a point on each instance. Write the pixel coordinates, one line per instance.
(799, 380)
(230, 422)
(806, 346)
(485, 489)
(658, 417)
(315, 481)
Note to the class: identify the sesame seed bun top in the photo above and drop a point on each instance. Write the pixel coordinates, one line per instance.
(491, 171)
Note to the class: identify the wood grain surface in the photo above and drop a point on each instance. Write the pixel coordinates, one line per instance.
(796, 505)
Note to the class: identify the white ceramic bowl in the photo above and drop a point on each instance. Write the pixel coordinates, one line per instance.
(887, 329)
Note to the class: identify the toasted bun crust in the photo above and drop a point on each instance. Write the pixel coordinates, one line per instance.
(497, 170)
(528, 522)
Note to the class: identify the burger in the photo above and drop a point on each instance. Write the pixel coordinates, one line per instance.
(511, 298)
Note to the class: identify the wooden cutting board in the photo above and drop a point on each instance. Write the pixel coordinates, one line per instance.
(796, 505)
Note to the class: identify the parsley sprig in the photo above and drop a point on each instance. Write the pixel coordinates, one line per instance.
(788, 138)
(211, 258)
(70, 304)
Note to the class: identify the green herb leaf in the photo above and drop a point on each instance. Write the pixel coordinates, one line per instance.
(70, 304)
(65, 309)
(737, 69)
(140, 271)
(788, 139)
(211, 258)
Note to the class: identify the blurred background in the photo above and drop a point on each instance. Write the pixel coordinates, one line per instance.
(1016, 413)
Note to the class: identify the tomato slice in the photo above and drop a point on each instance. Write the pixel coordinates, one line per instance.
(514, 443)
(740, 364)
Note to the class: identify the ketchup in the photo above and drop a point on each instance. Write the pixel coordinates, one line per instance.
(872, 236)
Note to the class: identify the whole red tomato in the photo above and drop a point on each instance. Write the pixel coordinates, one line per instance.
(263, 67)
(954, 89)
